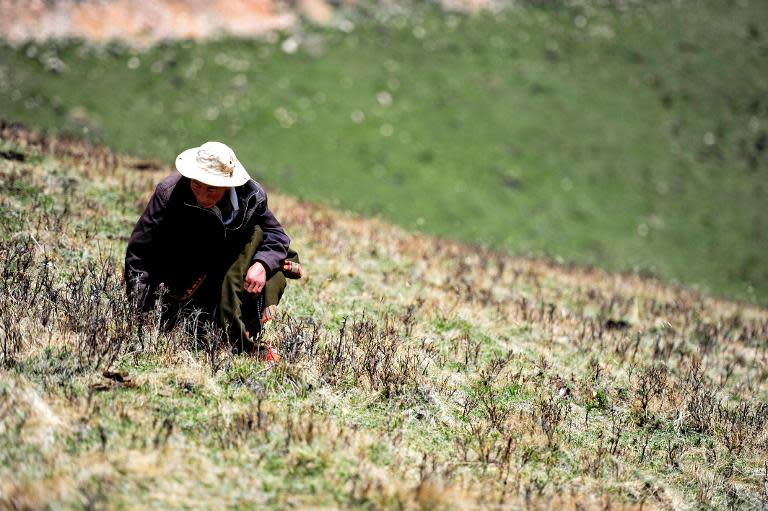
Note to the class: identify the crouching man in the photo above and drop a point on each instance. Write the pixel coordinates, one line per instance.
(209, 240)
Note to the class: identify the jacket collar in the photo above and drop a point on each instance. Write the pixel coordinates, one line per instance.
(247, 197)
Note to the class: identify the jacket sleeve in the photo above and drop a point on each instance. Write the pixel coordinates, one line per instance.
(141, 253)
(274, 248)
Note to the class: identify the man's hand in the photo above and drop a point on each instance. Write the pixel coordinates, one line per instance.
(255, 278)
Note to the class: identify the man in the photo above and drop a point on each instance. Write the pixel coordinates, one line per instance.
(207, 242)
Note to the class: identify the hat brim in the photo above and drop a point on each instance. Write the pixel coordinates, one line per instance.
(186, 164)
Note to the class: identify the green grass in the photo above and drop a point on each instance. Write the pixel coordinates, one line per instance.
(434, 396)
(636, 141)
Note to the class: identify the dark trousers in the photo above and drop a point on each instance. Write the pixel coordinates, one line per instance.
(222, 299)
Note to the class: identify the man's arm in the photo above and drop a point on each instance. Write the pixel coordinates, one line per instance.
(141, 249)
(274, 248)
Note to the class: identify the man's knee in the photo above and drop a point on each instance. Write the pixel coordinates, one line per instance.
(274, 288)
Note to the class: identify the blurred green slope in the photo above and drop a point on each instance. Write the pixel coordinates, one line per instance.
(627, 139)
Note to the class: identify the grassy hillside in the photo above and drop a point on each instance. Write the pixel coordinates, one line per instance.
(625, 137)
(418, 374)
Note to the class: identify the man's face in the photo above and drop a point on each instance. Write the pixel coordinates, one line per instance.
(207, 196)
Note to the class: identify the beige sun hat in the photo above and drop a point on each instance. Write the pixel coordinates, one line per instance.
(214, 164)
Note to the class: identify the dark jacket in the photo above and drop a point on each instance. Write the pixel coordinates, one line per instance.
(176, 241)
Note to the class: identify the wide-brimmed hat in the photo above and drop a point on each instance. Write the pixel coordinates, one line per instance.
(214, 164)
